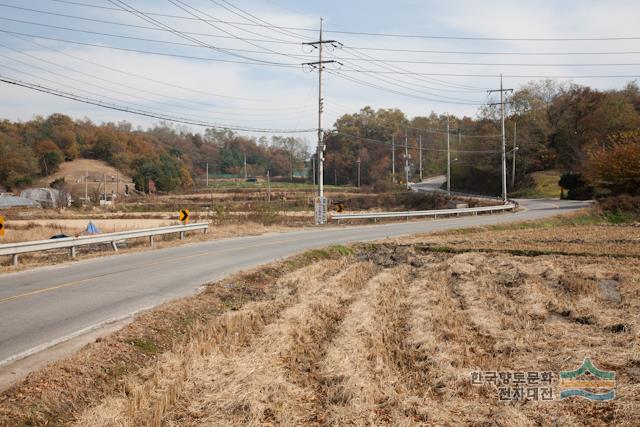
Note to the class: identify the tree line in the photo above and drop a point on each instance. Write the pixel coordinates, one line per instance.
(172, 156)
(593, 136)
(589, 134)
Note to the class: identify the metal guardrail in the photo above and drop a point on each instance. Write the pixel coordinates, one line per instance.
(14, 249)
(434, 213)
(416, 188)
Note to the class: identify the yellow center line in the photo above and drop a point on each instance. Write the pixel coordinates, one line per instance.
(78, 282)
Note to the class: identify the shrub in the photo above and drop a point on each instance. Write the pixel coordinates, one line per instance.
(622, 203)
(616, 169)
(577, 186)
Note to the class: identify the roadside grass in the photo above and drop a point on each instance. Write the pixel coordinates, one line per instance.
(545, 187)
(588, 216)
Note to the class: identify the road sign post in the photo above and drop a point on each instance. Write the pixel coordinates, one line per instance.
(184, 216)
(320, 210)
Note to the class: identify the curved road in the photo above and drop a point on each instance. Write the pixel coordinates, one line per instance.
(44, 306)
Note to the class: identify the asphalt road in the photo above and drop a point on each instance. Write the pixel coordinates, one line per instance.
(45, 306)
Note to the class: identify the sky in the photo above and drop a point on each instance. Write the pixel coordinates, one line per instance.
(174, 58)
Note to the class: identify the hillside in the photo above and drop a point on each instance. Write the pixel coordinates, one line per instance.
(95, 172)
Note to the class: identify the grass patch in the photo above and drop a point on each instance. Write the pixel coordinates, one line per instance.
(589, 217)
(330, 252)
(545, 186)
(145, 344)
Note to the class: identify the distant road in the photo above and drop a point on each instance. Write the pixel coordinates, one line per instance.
(44, 306)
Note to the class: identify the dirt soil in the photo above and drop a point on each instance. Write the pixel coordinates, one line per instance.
(380, 334)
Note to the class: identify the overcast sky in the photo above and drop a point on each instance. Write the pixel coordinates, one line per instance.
(285, 97)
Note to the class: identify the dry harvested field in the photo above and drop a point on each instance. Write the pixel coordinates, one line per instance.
(378, 334)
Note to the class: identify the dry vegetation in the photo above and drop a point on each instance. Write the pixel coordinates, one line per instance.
(382, 334)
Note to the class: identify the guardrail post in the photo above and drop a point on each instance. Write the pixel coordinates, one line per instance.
(114, 246)
(151, 241)
(72, 251)
(182, 235)
(205, 230)
(14, 260)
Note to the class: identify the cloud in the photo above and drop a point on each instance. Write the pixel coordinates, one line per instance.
(271, 97)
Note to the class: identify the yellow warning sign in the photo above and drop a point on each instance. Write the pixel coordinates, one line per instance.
(184, 216)
(1, 226)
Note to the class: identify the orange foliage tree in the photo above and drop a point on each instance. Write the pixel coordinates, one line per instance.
(617, 168)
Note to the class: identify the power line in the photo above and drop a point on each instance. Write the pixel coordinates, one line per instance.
(444, 132)
(57, 82)
(480, 38)
(376, 34)
(58, 27)
(253, 18)
(397, 92)
(343, 70)
(143, 27)
(124, 6)
(178, 4)
(160, 82)
(415, 147)
(358, 59)
(466, 52)
(140, 112)
(359, 48)
(230, 61)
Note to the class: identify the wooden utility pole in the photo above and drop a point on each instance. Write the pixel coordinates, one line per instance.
(358, 172)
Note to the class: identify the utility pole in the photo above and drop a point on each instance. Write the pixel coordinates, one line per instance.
(393, 158)
(86, 186)
(245, 164)
(448, 158)
(406, 158)
(206, 178)
(420, 149)
(515, 148)
(319, 65)
(268, 186)
(504, 141)
(358, 172)
(104, 176)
